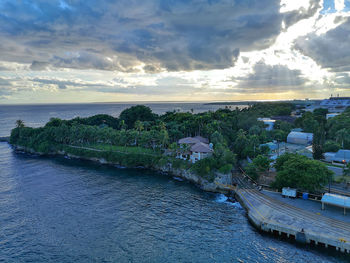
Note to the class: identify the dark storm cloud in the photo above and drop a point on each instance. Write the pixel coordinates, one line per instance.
(330, 50)
(118, 35)
(37, 65)
(266, 78)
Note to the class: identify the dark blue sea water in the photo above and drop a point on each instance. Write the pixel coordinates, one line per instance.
(60, 210)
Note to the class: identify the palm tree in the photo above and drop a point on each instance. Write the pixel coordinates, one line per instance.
(138, 126)
(341, 136)
(19, 124)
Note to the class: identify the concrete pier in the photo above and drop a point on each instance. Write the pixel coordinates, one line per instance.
(271, 215)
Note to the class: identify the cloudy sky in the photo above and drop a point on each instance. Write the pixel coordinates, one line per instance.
(173, 50)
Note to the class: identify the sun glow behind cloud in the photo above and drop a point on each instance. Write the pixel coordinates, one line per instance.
(222, 60)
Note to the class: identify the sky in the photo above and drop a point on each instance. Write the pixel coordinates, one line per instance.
(63, 51)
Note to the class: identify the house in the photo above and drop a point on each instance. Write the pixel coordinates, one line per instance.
(269, 123)
(331, 115)
(194, 148)
(300, 138)
(342, 156)
(200, 151)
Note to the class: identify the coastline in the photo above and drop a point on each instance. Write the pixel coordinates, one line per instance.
(221, 185)
(217, 186)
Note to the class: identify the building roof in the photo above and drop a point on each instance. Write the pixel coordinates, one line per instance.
(201, 147)
(337, 200)
(342, 155)
(300, 135)
(202, 139)
(188, 140)
(193, 140)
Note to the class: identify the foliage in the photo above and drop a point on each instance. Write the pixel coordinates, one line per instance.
(19, 124)
(136, 113)
(226, 168)
(262, 163)
(318, 142)
(235, 134)
(252, 171)
(204, 168)
(259, 165)
(299, 172)
(331, 146)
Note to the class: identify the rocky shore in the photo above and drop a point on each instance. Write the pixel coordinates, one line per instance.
(216, 186)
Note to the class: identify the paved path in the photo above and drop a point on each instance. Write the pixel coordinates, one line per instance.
(312, 206)
(273, 215)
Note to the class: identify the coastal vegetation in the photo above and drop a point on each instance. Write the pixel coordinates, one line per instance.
(297, 171)
(141, 138)
(329, 135)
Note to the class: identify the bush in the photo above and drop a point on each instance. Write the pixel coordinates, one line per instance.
(331, 146)
(252, 172)
(163, 162)
(225, 169)
(205, 167)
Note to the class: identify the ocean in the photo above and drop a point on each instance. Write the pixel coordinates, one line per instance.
(62, 210)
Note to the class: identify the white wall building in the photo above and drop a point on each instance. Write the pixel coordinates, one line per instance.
(198, 148)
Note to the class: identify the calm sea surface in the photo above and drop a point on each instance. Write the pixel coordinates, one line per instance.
(59, 210)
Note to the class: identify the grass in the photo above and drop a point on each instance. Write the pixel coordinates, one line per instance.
(124, 149)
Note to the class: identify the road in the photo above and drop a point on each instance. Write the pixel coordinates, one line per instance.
(338, 171)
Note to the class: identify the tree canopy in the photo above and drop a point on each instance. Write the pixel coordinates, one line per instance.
(136, 113)
(299, 172)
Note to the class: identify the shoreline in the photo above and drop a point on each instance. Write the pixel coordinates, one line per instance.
(215, 187)
(253, 215)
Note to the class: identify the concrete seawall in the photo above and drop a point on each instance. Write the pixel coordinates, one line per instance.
(272, 216)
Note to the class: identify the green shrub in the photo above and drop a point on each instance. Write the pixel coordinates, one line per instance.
(226, 168)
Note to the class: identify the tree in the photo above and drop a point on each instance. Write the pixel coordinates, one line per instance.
(262, 163)
(318, 142)
(217, 138)
(252, 171)
(139, 126)
(259, 165)
(297, 171)
(346, 170)
(240, 144)
(342, 136)
(139, 112)
(255, 130)
(331, 146)
(19, 124)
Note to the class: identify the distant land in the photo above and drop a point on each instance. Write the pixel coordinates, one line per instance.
(305, 101)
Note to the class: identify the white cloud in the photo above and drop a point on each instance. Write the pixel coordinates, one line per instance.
(339, 5)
